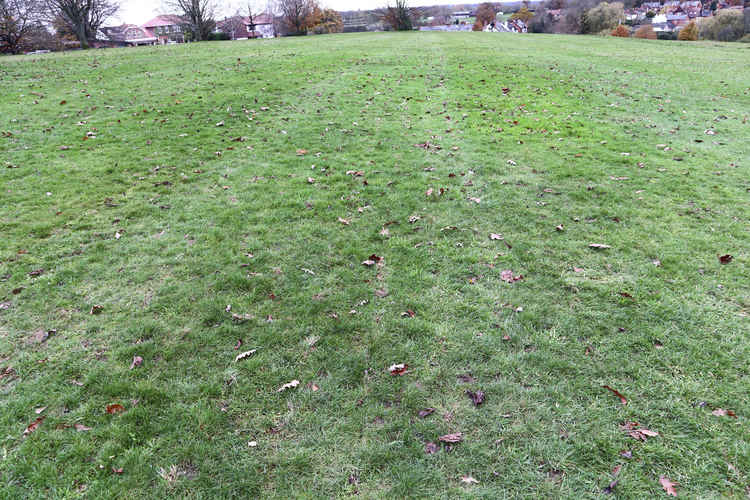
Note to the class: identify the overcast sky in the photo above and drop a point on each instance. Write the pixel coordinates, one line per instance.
(140, 11)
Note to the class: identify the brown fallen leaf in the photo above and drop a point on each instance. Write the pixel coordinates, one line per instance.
(311, 180)
(290, 385)
(508, 277)
(430, 448)
(344, 221)
(668, 485)
(398, 369)
(242, 317)
(475, 200)
(381, 292)
(452, 438)
(469, 480)
(96, 309)
(725, 259)
(633, 430)
(137, 361)
(40, 410)
(495, 236)
(426, 412)
(623, 400)
(408, 314)
(720, 412)
(244, 355)
(599, 246)
(115, 408)
(429, 192)
(238, 344)
(560, 228)
(82, 428)
(117, 471)
(36, 272)
(33, 426)
(476, 397)
(302, 152)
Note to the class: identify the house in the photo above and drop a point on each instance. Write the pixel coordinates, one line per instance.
(240, 28)
(166, 28)
(127, 35)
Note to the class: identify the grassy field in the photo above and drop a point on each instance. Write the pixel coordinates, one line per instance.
(166, 209)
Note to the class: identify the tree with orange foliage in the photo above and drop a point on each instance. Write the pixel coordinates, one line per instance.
(689, 33)
(621, 31)
(646, 31)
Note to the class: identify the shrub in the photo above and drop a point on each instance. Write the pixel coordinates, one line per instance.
(478, 26)
(689, 32)
(218, 36)
(725, 26)
(666, 35)
(621, 31)
(646, 31)
(605, 16)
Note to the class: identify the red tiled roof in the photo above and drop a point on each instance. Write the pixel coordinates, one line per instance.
(164, 20)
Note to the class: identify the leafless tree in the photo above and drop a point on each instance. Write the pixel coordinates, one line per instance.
(198, 15)
(399, 17)
(297, 15)
(83, 17)
(19, 20)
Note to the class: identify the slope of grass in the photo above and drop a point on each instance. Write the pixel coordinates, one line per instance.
(178, 186)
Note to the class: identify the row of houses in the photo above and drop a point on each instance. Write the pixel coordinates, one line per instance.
(165, 29)
(673, 15)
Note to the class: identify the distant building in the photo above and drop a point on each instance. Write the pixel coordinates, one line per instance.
(126, 35)
(240, 27)
(166, 28)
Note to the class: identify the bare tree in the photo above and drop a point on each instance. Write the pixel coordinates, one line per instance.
(298, 15)
(83, 17)
(198, 15)
(19, 21)
(398, 17)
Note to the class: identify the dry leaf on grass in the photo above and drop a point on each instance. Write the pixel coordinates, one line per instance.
(668, 485)
(137, 361)
(244, 355)
(290, 385)
(476, 397)
(430, 448)
(468, 480)
(720, 412)
(33, 426)
(398, 369)
(452, 438)
(725, 259)
(599, 246)
(623, 400)
(426, 412)
(115, 408)
(82, 428)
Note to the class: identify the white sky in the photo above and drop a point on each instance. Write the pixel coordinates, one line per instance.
(140, 11)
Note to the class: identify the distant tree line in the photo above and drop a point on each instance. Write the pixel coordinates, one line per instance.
(602, 17)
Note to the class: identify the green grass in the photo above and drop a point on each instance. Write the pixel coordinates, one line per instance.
(604, 136)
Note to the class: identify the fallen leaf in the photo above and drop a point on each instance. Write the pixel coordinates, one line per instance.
(560, 227)
(36, 272)
(82, 428)
(633, 430)
(466, 378)
(452, 438)
(476, 397)
(40, 410)
(310, 180)
(577, 269)
(408, 314)
(290, 385)
(242, 317)
(426, 412)
(245, 355)
(720, 412)
(611, 487)
(137, 361)
(381, 292)
(96, 310)
(495, 236)
(469, 480)
(623, 400)
(398, 369)
(344, 221)
(475, 200)
(599, 246)
(725, 259)
(33, 426)
(238, 344)
(429, 192)
(115, 408)
(302, 152)
(668, 486)
(626, 453)
(117, 471)
(430, 448)
(252, 444)
(508, 277)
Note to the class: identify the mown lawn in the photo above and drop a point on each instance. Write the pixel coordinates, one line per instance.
(172, 203)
